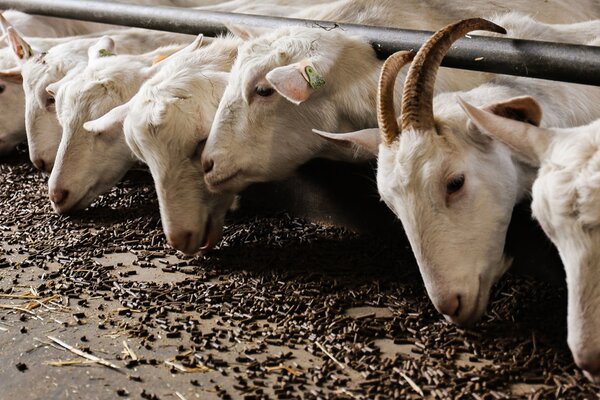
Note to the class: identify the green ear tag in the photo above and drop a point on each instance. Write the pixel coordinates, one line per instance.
(105, 53)
(315, 80)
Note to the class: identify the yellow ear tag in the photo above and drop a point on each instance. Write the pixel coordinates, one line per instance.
(311, 76)
(105, 53)
(159, 59)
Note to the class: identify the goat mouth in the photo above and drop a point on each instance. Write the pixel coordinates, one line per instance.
(468, 318)
(212, 235)
(217, 184)
(64, 210)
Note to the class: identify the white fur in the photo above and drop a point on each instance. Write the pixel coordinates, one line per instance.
(12, 128)
(166, 125)
(278, 128)
(42, 128)
(12, 98)
(566, 202)
(458, 240)
(89, 164)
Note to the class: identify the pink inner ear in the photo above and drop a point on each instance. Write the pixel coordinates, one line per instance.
(290, 83)
(524, 109)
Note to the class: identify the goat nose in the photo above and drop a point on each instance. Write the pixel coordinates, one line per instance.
(450, 306)
(58, 196)
(208, 164)
(180, 241)
(40, 164)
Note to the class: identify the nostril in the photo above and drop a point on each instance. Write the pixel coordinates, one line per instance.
(208, 165)
(40, 164)
(59, 196)
(450, 306)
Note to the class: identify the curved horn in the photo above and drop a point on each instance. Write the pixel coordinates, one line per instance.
(417, 99)
(386, 115)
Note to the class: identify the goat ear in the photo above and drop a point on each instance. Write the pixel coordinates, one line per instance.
(296, 82)
(109, 121)
(245, 32)
(515, 123)
(524, 108)
(289, 82)
(19, 46)
(52, 89)
(104, 47)
(366, 139)
(12, 75)
(196, 44)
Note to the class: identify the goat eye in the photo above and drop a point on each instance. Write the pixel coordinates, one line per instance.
(264, 91)
(50, 102)
(455, 184)
(2, 88)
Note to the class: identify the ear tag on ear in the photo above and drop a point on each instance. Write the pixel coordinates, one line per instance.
(309, 73)
(21, 51)
(105, 53)
(159, 59)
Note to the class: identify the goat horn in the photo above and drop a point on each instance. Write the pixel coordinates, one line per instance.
(417, 99)
(386, 115)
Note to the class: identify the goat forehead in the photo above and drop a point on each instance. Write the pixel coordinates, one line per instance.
(281, 39)
(281, 47)
(417, 159)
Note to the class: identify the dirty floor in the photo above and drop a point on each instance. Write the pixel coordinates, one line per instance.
(96, 306)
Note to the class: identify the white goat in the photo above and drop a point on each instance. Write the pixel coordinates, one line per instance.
(269, 106)
(11, 91)
(43, 131)
(42, 69)
(165, 125)
(164, 133)
(161, 130)
(566, 202)
(87, 165)
(452, 187)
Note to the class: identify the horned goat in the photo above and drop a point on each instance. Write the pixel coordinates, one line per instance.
(453, 187)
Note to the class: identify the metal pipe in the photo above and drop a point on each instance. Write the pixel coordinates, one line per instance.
(554, 61)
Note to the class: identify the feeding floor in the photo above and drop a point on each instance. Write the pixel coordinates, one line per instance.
(283, 308)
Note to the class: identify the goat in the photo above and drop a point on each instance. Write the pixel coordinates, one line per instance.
(566, 202)
(452, 187)
(165, 125)
(87, 165)
(45, 67)
(168, 130)
(269, 105)
(41, 69)
(11, 92)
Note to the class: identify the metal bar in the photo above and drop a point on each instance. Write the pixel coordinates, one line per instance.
(554, 61)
